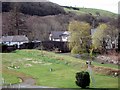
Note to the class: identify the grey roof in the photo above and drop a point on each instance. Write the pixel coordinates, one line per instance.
(16, 38)
(58, 34)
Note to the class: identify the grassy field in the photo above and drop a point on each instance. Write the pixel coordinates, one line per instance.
(92, 11)
(51, 69)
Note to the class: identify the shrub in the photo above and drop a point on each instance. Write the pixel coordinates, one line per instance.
(78, 50)
(75, 50)
(3, 47)
(82, 79)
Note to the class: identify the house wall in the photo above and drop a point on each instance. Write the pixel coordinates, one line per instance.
(112, 44)
(60, 37)
(56, 39)
(13, 43)
(64, 38)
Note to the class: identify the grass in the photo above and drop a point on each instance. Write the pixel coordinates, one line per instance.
(59, 77)
(108, 81)
(106, 65)
(63, 68)
(10, 79)
(92, 11)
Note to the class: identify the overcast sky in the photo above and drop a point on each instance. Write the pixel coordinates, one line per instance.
(110, 5)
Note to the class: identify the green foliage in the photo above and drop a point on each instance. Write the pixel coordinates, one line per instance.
(79, 36)
(104, 32)
(98, 36)
(83, 79)
(77, 49)
(91, 53)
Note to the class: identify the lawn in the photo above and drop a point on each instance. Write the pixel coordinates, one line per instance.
(51, 69)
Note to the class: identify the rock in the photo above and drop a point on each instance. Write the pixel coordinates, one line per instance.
(66, 62)
(115, 62)
(28, 65)
(88, 62)
(115, 74)
(78, 56)
(51, 69)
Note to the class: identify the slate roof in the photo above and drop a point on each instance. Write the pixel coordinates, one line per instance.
(58, 34)
(16, 38)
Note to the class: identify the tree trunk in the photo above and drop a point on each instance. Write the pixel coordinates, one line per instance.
(119, 42)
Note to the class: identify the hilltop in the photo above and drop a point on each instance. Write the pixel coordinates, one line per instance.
(33, 8)
(49, 8)
(93, 11)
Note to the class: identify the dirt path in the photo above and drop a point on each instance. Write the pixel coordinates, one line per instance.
(26, 83)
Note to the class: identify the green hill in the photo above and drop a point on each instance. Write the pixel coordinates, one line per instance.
(93, 11)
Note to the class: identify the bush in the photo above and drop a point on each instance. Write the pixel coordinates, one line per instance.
(83, 79)
(75, 50)
(3, 47)
(78, 50)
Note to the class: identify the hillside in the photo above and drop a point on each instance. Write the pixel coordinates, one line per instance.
(33, 8)
(93, 11)
(49, 8)
(37, 20)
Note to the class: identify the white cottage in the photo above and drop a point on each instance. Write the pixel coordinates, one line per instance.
(14, 40)
(59, 36)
